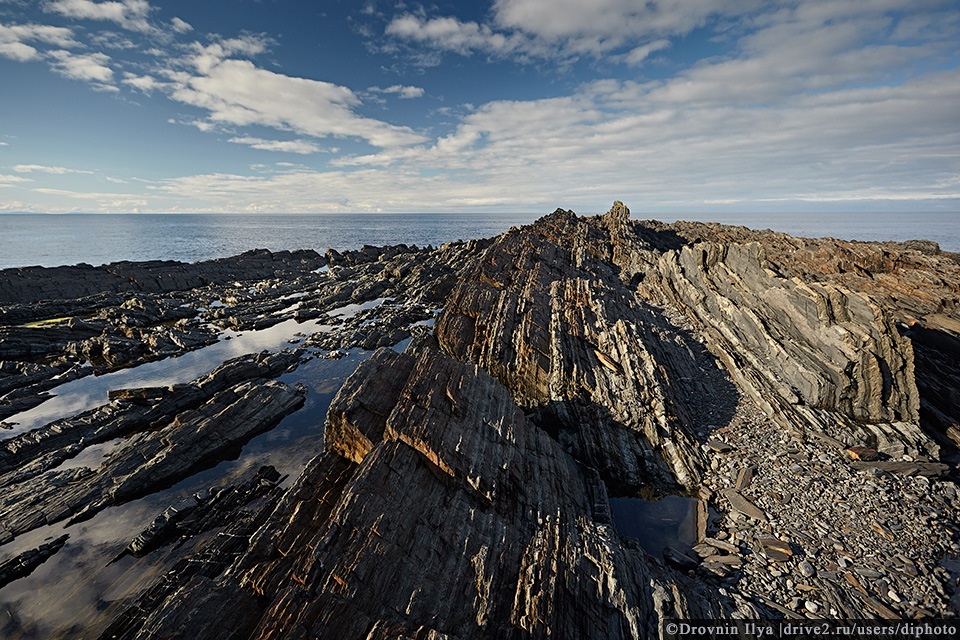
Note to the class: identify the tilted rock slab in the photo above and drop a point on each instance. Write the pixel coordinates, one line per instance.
(33, 452)
(461, 520)
(545, 312)
(815, 355)
(914, 281)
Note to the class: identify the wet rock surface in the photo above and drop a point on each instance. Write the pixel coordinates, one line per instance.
(142, 312)
(203, 511)
(453, 464)
(24, 456)
(148, 459)
(803, 391)
(24, 564)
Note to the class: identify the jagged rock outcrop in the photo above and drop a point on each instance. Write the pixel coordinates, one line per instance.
(817, 355)
(914, 282)
(828, 358)
(462, 520)
(617, 379)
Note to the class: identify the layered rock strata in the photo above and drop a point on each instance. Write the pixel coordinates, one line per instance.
(817, 355)
(914, 282)
(612, 376)
(461, 519)
(24, 456)
(796, 388)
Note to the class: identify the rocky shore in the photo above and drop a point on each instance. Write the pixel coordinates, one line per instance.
(803, 396)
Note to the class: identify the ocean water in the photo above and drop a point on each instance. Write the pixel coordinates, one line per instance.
(51, 240)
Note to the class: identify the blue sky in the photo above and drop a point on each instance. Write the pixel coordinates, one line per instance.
(510, 105)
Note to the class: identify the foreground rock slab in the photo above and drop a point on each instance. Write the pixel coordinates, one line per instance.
(452, 464)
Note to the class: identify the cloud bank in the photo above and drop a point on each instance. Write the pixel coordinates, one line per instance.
(791, 101)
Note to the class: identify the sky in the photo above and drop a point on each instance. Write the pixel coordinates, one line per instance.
(129, 106)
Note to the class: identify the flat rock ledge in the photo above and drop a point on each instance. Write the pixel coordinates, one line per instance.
(802, 392)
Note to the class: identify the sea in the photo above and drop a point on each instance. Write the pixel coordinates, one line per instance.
(51, 240)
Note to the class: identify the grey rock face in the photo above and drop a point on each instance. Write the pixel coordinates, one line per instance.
(546, 313)
(816, 354)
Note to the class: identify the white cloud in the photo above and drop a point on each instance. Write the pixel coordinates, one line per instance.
(288, 146)
(209, 56)
(566, 29)
(821, 148)
(313, 191)
(100, 202)
(9, 181)
(202, 125)
(401, 90)
(18, 51)
(90, 67)
(808, 103)
(13, 39)
(129, 14)
(146, 84)
(239, 93)
(29, 168)
(180, 26)
(112, 40)
(627, 31)
(810, 48)
(638, 55)
(646, 143)
(601, 25)
(453, 35)
(405, 92)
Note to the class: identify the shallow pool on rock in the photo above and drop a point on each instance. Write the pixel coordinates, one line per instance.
(78, 591)
(88, 392)
(669, 521)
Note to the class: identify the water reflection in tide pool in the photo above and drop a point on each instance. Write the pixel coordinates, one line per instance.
(88, 392)
(91, 391)
(77, 592)
(669, 521)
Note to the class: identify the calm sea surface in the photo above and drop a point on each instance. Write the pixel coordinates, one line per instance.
(50, 240)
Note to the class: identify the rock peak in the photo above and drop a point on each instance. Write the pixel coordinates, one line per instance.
(618, 211)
